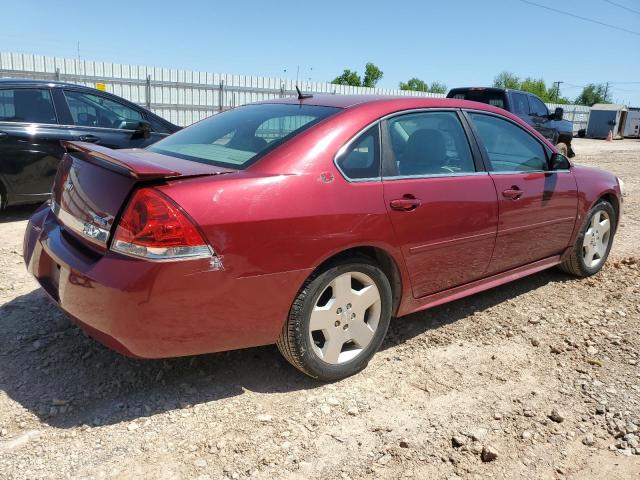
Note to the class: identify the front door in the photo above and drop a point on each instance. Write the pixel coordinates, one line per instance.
(442, 208)
(537, 207)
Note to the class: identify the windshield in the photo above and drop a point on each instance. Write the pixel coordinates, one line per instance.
(239, 137)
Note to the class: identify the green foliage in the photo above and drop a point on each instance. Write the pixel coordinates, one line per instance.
(416, 85)
(372, 75)
(348, 77)
(437, 87)
(537, 86)
(592, 94)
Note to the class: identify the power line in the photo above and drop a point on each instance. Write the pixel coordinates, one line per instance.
(598, 22)
(623, 7)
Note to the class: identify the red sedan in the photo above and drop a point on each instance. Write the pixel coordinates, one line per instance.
(310, 223)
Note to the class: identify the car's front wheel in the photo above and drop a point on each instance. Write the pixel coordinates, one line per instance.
(338, 319)
(594, 242)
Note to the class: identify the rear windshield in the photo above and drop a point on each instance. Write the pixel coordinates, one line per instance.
(483, 96)
(239, 137)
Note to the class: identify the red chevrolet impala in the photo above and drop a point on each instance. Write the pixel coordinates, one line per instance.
(309, 223)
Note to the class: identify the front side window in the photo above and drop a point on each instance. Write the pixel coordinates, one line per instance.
(30, 105)
(239, 137)
(520, 103)
(538, 108)
(508, 147)
(361, 160)
(429, 143)
(90, 110)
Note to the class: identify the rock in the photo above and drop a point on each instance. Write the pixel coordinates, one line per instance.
(333, 401)
(631, 428)
(478, 434)
(489, 453)
(404, 444)
(326, 409)
(632, 440)
(592, 350)
(200, 463)
(353, 411)
(458, 440)
(535, 342)
(475, 448)
(497, 416)
(20, 440)
(384, 459)
(589, 440)
(526, 435)
(264, 418)
(132, 426)
(601, 409)
(557, 415)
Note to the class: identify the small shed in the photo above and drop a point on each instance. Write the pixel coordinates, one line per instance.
(605, 118)
(632, 125)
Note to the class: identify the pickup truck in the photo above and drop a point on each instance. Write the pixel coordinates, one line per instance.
(527, 106)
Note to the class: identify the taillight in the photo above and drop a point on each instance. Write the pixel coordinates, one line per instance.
(154, 227)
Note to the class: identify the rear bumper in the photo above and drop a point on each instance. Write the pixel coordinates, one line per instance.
(156, 309)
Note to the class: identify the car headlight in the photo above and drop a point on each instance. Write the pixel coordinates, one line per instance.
(621, 184)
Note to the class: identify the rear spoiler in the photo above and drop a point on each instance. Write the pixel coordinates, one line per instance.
(138, 163)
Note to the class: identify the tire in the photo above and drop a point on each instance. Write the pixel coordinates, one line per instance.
(345, 324)
(563, 148)
(593, 244)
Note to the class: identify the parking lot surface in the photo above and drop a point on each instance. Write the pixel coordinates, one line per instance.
(539, 378)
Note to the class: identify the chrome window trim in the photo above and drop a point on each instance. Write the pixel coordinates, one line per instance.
(520, 172)
(434, 175)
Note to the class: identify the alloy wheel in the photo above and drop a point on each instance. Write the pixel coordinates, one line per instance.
(345, 317)
(596, 239)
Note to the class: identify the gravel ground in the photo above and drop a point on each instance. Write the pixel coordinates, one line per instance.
(535, 379)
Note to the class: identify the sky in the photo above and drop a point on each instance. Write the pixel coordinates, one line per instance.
(457, 42)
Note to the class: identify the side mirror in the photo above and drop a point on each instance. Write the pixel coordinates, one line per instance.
(558, 114)
(559, 162)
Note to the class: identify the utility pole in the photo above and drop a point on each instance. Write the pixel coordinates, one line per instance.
(606, 90)
(557, 94)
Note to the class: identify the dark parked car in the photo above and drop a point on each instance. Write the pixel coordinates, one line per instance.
(35, 115)
(529, 108)
(310, 223)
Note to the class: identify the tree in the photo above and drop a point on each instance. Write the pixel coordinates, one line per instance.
(507, 80)
(437, 87)
(348, 77)
(372, 75)
(415, 84)
(592, 94)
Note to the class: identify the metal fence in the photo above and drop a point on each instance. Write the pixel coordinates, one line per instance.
(578, 114)
(184, 96)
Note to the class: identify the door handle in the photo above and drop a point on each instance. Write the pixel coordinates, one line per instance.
(513, 193)
(89, 138)
(405, 204)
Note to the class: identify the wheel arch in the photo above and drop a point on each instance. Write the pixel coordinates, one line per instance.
(613, 200)
(387, 262)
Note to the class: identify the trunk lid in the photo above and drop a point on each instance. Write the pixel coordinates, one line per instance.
(93, 183)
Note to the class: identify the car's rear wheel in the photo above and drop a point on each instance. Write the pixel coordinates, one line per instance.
(594, 242)
(338, 320)
(563, 148)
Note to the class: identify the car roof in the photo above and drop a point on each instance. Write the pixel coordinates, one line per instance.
(28, 81)
(385, 102)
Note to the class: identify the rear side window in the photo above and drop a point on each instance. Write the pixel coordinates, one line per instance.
(431, 143)
(239, 137)
(31, 105)
(90, 110)
(483, 96)
(509, 147)
(361, 160)
(520, 103)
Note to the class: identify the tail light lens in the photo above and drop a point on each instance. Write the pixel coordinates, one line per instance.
(155, 228)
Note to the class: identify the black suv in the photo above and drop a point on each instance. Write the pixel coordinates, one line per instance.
(35, 115)
(529, 108)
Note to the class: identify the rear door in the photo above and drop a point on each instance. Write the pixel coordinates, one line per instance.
(441, 203)
(30, 147)
(537, 207)
(104, 121)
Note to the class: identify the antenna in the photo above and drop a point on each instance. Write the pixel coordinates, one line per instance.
(302, 96)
